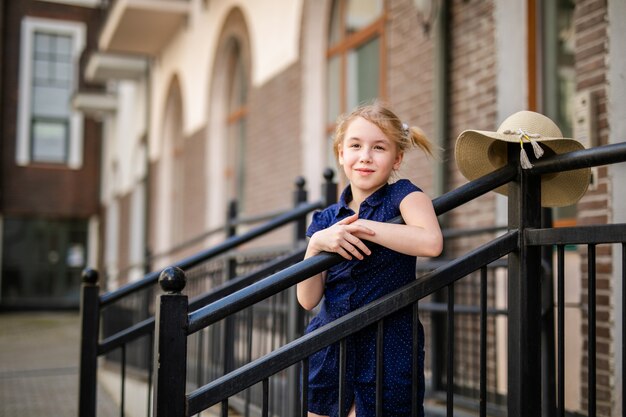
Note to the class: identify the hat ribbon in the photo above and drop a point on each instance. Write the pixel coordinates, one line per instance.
(537, 150)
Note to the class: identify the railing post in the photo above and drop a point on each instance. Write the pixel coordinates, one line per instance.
(295, 319)
(299, 197)
(329, 188)
(231, 272)
(170, 347)
(524, 296)
(89, 316)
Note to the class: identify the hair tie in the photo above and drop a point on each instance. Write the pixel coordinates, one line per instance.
(405, 129)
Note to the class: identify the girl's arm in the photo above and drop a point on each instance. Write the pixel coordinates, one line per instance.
(339, 238)
(419, 236)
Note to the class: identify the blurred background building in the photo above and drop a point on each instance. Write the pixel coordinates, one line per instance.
(129, 125)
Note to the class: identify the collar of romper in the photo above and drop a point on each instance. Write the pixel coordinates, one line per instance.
(372, 201)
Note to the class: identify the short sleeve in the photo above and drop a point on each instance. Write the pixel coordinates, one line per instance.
(321, 220)
(400, 189)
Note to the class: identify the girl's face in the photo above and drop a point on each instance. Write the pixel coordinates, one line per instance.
(368, 157)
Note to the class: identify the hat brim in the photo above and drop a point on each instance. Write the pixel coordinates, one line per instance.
(478, 153)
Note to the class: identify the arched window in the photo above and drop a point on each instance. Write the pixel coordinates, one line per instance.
(237, 98)
(356, 65)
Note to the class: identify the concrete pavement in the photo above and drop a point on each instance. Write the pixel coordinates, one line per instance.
(39, 357)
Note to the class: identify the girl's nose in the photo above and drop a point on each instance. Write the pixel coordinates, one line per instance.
(365, 155)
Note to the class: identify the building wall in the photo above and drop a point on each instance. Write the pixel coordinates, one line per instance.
(55, 203)
(45, 190)
(473, 104)
(591, 23)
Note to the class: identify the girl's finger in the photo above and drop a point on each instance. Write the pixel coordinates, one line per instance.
(352, 251)
(349, 219)
(354, 228)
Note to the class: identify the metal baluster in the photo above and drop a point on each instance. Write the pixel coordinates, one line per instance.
(591, 324)
(249, 323)
(123, 384)
(561, 327)
(305, 387)
(450, 356)
(483, 341)
(150, 372)
(266, 390)
(200, 362)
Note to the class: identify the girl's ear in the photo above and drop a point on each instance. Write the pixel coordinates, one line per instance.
(340, 155)
(398, 161)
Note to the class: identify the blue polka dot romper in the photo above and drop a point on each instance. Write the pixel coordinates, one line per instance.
(353, 284)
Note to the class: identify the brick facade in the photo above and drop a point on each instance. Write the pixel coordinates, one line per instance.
(591, 53)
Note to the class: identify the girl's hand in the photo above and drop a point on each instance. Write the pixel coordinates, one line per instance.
(341, 238)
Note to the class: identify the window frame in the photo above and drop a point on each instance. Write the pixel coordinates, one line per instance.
(351, 42)
(77, 31)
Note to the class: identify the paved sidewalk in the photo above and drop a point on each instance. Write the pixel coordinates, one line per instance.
(39, 357)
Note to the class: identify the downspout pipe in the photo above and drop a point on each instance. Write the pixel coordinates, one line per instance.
(440, 168)
(441, 98)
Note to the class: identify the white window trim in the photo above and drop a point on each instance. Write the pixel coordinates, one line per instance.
(29, 26)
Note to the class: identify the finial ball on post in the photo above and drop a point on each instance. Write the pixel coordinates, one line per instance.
(89, 276)
(172, 280)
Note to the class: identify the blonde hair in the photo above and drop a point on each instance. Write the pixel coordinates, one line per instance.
(404, 136)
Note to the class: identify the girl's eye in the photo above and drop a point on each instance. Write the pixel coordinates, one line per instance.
(354, 145)
(380, 148)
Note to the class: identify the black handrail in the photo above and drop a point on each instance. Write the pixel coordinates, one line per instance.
(284, 279)
(92, 303)
(146, 326)
(230, 243)
(527, 185)
(303, 347)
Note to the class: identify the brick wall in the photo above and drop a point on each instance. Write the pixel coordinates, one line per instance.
(195, 185)
(273, 148)
(410, 83)
(472, 103)
(591, 24)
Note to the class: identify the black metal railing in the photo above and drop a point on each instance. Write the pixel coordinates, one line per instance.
(521, 244)
(116, 343)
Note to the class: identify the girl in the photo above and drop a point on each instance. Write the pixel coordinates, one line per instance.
(369, 144)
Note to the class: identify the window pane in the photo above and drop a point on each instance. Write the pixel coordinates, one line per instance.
(49, 141)
(334, 89)
(361, 13)
(51, 101)
(238, 93)
(63, 45)
(363, 73)
(42, 43)
(368, 74)
(63, 73)
(334, 33)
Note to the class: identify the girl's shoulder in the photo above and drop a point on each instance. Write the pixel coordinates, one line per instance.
(400, 189)
(322, 219)
(404, 185)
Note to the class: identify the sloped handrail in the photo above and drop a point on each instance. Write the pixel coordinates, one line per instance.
(146, 326)
(303, 347)
(230, 243)
(273, 284)
(527, 185)
(92, 302)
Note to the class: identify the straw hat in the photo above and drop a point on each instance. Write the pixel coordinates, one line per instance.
(479, 152)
